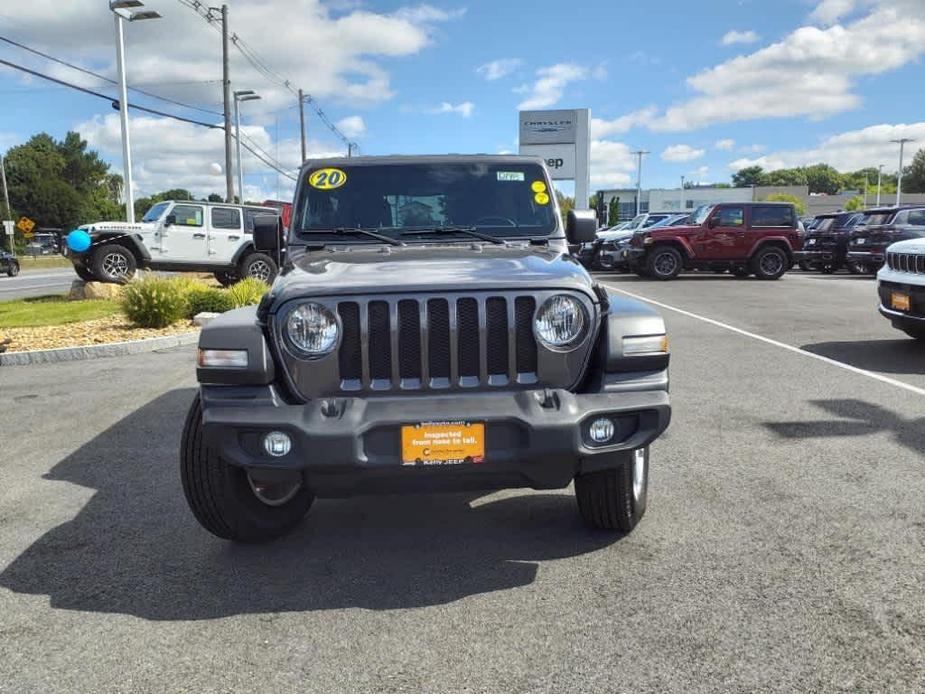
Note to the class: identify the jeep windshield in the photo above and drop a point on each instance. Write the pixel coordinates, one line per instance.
(455, 200)
(153, 214)
(700, 215)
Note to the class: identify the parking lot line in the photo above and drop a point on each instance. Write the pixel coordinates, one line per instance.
(775, 343)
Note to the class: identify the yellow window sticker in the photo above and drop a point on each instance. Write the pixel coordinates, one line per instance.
(538, 187)
(541, 199)
(327, 179)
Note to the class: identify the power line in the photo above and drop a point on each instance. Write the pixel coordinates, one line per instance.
(102, 78)
(267, 72)
(273, 165)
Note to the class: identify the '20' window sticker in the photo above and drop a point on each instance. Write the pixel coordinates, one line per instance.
(327, 179)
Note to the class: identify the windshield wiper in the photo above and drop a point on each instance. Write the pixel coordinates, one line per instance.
(469, 230)
(340, 231)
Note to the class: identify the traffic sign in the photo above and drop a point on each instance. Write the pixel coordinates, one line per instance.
(25, 224)
(8, 227)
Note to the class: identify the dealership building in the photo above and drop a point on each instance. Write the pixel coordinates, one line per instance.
(674, 200)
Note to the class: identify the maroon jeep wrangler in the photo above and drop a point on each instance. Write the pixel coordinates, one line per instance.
(746, 238)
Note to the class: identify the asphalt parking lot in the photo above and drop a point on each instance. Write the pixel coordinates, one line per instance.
(36, 283)
(783, 548)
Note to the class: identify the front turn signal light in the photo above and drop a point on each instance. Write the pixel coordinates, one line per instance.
(223, 358)
(647, 344)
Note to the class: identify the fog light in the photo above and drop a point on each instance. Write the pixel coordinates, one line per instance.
(601, 430)
(277, 444)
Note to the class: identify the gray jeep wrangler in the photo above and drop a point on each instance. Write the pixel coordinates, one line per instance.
(428, 332)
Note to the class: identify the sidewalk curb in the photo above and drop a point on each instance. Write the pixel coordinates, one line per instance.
(114, 349)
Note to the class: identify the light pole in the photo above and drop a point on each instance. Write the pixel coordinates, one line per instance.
(640, 153)
(681, 200)
(899, 176)
(125, 10)
(879, 180)
(241, 95)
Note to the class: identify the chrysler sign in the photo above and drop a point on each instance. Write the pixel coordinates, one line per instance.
(562, 139)
(548, 127)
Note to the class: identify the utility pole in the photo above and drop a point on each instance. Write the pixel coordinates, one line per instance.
(681, 200)
(7, 213)
(302, 122)
(899, 177)
(226, 89)
(640, 153)
(879, 180)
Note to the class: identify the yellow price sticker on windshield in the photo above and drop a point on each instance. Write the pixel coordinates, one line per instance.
(541, 199)
(327, 179)
(538, 187)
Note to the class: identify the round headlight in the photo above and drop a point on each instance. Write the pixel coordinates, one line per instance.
(560, 323)
(312, 329)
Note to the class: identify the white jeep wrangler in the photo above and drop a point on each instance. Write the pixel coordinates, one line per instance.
(183, 236)
(901, 285)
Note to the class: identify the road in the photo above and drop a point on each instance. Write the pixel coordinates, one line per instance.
(36, 283)
(783, 548)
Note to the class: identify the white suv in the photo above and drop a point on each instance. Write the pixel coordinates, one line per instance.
(901, 284)
(184, 236)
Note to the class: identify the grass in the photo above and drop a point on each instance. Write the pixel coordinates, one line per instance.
(42, 262)
(52, 310)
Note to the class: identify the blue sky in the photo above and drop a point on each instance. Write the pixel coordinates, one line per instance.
(706, 87)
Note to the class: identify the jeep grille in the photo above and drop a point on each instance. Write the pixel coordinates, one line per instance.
(445, 342)
(906, 262)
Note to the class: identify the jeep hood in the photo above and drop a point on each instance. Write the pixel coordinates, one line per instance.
(443, 268)
(916, 246)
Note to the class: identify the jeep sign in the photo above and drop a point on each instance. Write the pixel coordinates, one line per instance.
(561, 139)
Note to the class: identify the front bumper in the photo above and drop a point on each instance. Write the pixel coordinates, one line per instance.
(819, 254)
(347, 445)
(869, 257)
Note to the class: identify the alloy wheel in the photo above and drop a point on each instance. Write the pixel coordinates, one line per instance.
(665, 264)
(771, 263)
(260, 270)
(115, 265)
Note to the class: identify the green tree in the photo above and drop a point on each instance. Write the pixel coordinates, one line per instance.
(854, 204)
(566, 203)
(785, 177)
(749, 176)
(914, 174)
(823, 178)
(786, 197)
(613, 211)
(215, 197)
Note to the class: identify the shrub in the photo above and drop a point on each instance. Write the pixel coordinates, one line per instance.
(154, 302)
(187, 284)
(207, 299)
(248, 291)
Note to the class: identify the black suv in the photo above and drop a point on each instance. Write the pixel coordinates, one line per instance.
(8, 263)
(428, 331)
(825, 245)
(878, 229)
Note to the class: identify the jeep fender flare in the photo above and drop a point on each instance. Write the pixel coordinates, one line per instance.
(780, 241)
(675, 242)
(130, 241)
(246, 248)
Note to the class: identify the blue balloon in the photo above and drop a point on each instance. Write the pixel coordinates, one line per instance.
(78, 240)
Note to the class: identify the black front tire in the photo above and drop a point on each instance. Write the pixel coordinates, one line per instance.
(13, 269)
(222, 496)
(259, 266)
(855, 269)
(664, 263)
(770, 263)
(113, 263)
(615, 499)
(226, 279)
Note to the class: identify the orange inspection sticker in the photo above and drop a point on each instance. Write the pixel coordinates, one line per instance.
(443, 443)
(538, 187)
(541, 199)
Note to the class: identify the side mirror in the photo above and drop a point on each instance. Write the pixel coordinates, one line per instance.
(170, 220)
(581, 226)
(266, 233)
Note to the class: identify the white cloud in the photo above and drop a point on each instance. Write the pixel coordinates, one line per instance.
(848, 151)
(352, 126)
(612, 164)
(682, 153)
(333, 56)
(733, 37)
(701, 173)
(464, 109)
(550, 85)
(830, 11)
(497, 69)
(622, 124)
(724, 145)
(170, 154)
(809, 72)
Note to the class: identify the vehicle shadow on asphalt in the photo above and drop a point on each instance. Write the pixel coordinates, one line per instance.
(136, 549)
(856, 418)
(901, 356)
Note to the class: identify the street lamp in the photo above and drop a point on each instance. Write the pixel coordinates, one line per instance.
(681, 201)
(899, 177)
(125, 10)
(241, 95)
